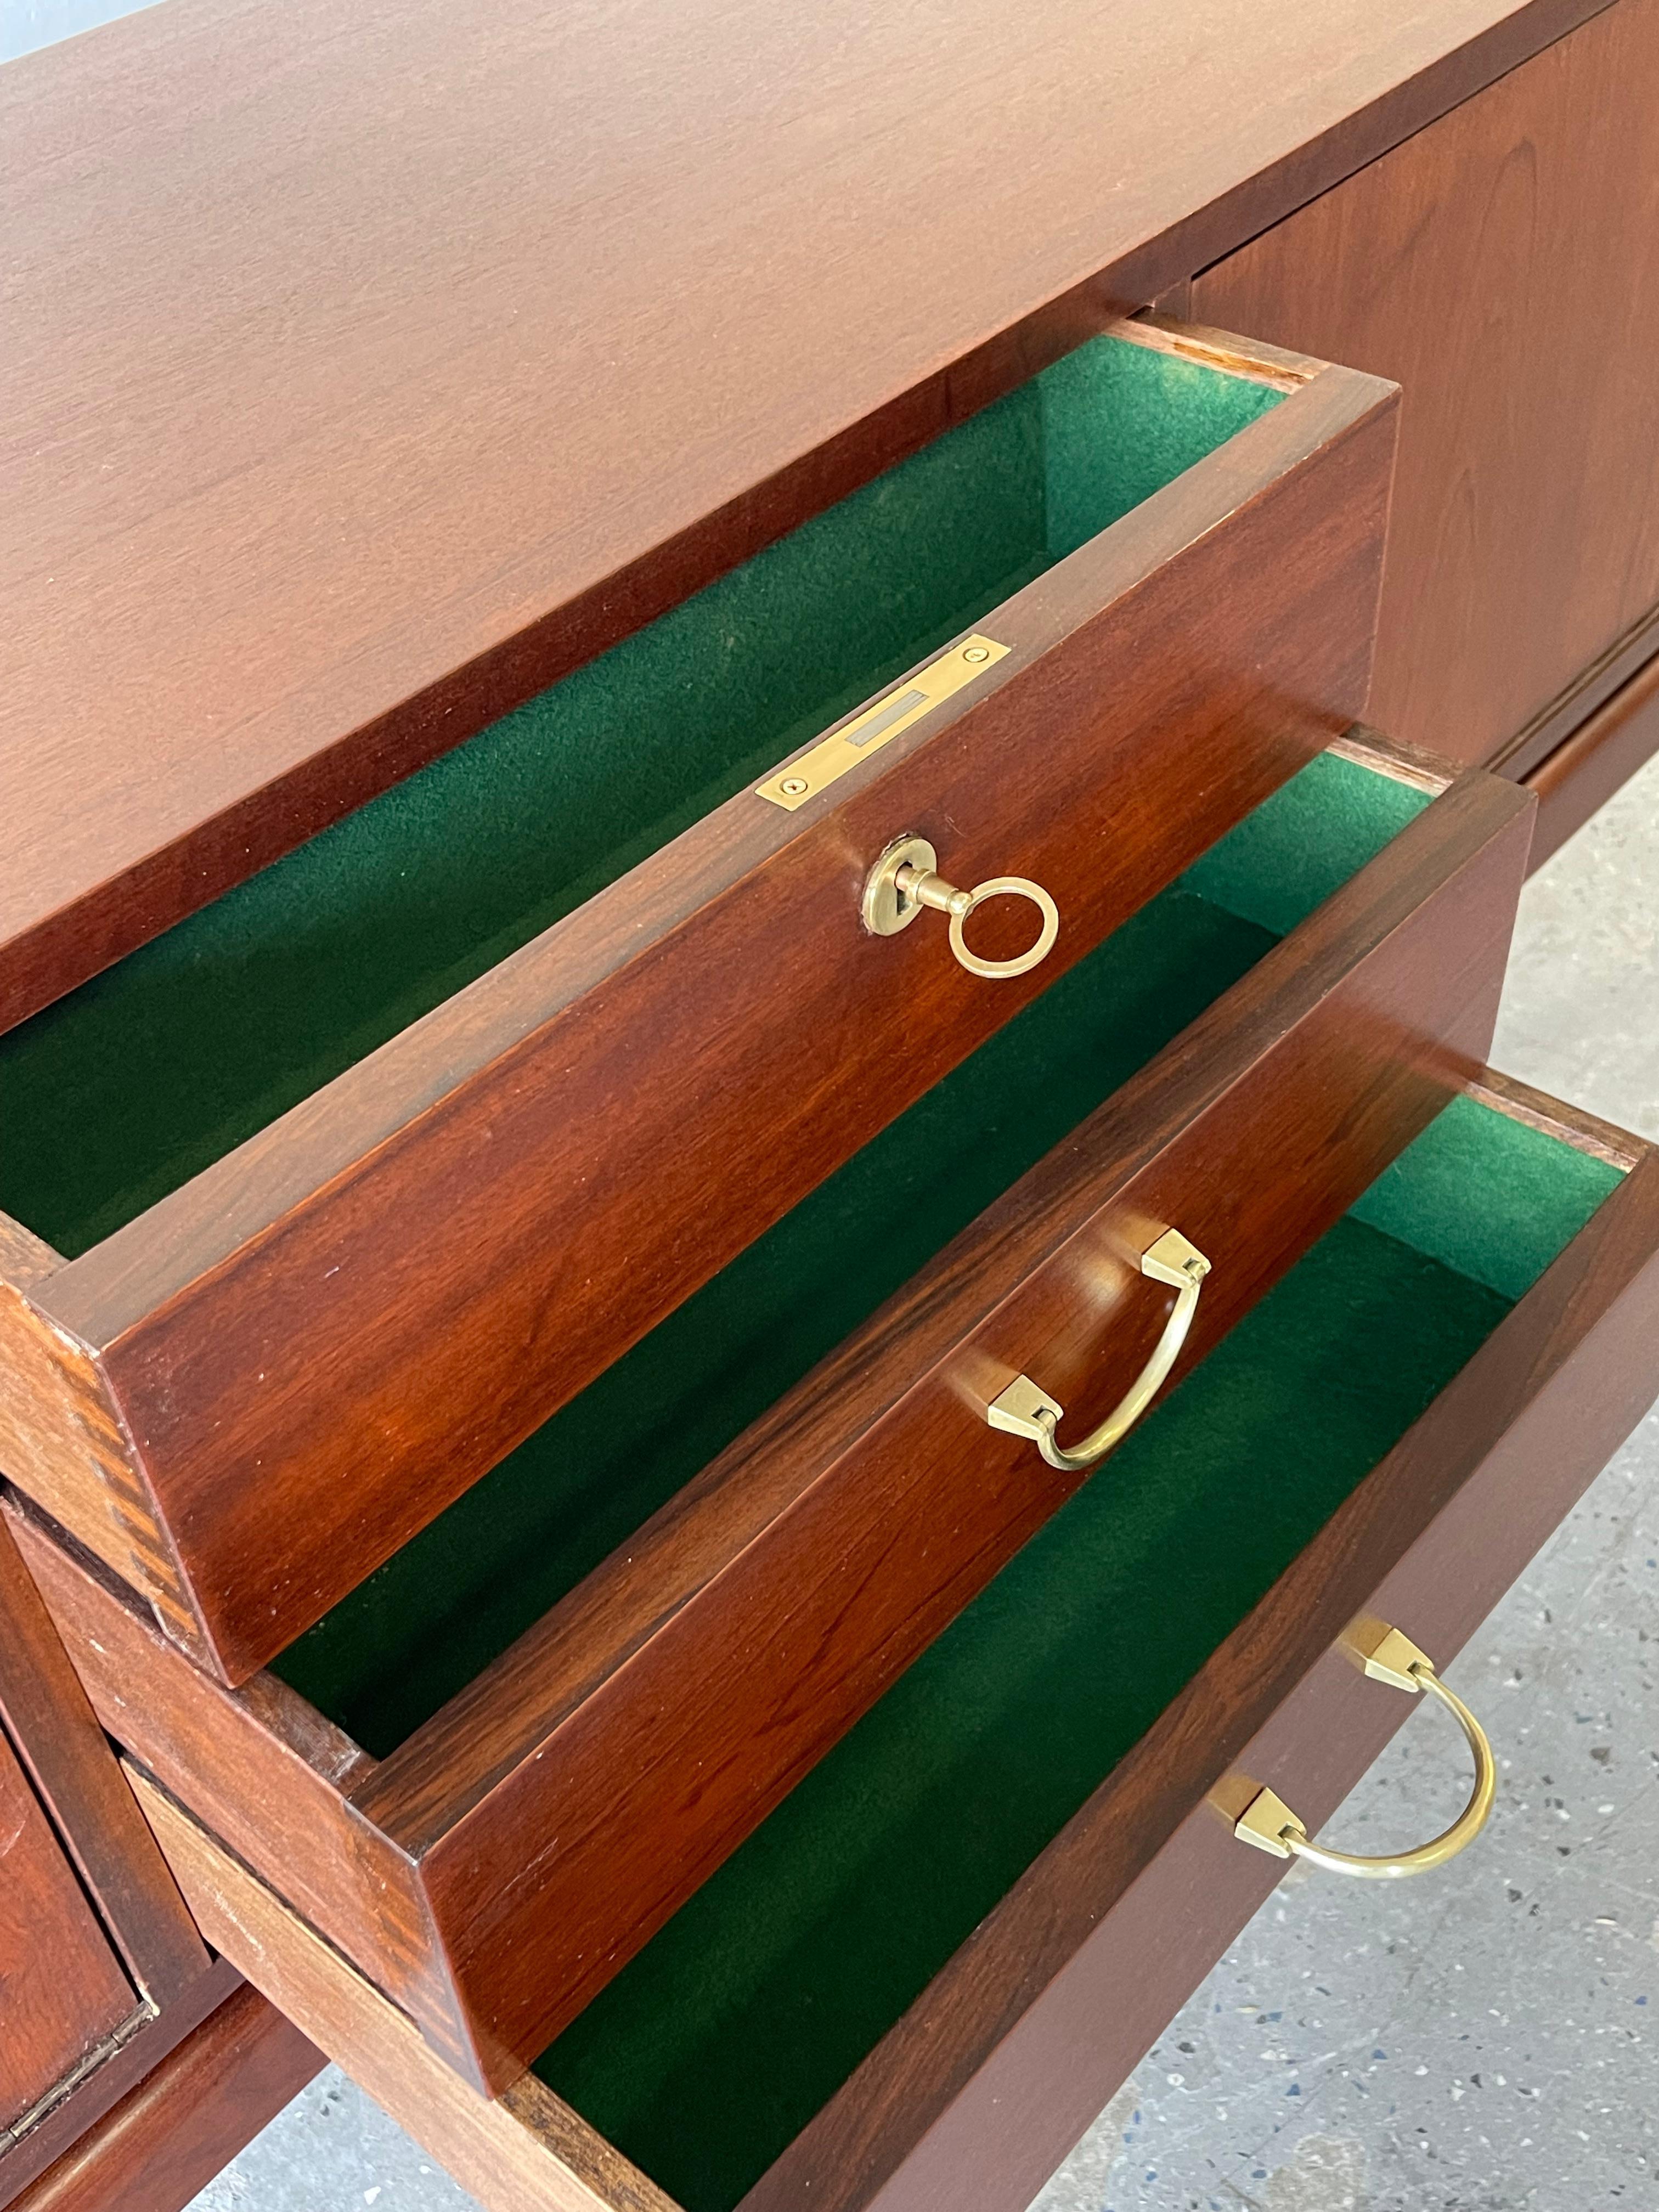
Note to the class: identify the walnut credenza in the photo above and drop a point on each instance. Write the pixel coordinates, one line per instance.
(755, 761)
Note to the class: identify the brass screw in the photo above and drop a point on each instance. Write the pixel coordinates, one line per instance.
(975, 652)
(792, 786)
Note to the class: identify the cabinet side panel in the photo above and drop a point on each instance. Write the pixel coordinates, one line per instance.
(62, 1990)
(188, 2117)
(73, 1774)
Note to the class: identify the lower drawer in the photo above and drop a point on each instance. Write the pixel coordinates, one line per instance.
(927, 1970)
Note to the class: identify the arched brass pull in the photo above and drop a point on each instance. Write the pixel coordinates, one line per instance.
(1268, 1822)
(1023, 1410)
(905, 879)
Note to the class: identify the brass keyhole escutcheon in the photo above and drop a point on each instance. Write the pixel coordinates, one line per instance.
(906, 879)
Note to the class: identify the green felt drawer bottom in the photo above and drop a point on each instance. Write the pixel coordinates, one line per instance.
(723, 2037)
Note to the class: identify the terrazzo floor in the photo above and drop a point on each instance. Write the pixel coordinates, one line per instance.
(1487, 2040)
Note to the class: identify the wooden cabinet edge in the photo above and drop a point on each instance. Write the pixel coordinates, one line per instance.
(199, 2102)
(1586, 769)
(524, 2152)
(56, 1733)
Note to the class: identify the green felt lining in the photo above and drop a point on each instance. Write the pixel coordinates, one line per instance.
(129, 1085)
(712, 2049)
(719, 2042)
(388, 1655)
(1489, 1197)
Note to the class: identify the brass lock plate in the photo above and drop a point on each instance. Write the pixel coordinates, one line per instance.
(830, 759)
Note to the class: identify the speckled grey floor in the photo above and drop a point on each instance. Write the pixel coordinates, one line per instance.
(1489, 2043)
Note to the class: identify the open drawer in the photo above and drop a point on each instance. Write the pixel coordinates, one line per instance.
(920, 1979)
(324, 1199)
(494, 1770)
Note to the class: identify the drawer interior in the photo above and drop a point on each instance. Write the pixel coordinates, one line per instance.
(121, 1090)
(416, 1633)
(725, 2035)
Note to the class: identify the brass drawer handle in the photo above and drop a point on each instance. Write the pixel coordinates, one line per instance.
(1388, 1657)
(904, 880)
(1023, 1410)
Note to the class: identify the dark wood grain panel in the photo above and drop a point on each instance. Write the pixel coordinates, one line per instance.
(62, 1985)
(491, 1233)
(168, 2136)
(57, 1736)
(452, 378)
(653, 1720)
(1503, 266)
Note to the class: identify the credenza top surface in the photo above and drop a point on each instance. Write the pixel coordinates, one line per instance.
(341, 348)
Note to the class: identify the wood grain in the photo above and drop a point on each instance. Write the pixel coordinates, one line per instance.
(656, 1717)
(524, 2152)
(53, 1730)
(429, 1870)
(59, 1423)
(1016, 2044)
(189, 2118)
(101, 2088)
(168, 2136)
(982, 2087)
(490, 335)
(267, 1769)
(1503, 266)
(64, 1990)
(1591, 688)
(320, 1341)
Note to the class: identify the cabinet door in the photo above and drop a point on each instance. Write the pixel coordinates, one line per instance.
(1502, 266)
(62, 1989)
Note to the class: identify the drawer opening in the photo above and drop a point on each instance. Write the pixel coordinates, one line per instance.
(386, 1657)
(726, 2034)
(124, 1089)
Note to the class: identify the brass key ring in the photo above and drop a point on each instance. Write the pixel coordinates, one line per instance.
(1386, 1657)
(905, 880)
(1023, 1410)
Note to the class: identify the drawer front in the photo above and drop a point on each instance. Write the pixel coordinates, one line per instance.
(982, 2085)
(652, 1720)
(249, 1396)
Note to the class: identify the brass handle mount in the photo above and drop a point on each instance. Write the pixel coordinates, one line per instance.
(1386, 1657)
(906, 879)
(1024, 1410)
